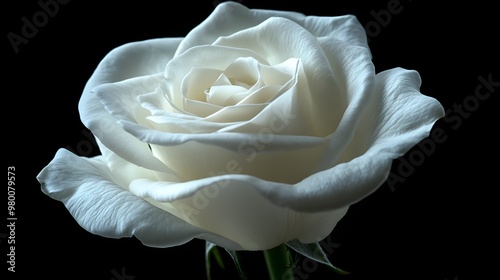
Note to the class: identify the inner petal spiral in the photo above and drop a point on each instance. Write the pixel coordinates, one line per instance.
(244, 81)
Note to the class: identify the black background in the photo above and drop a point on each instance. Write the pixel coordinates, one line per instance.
(435, 221)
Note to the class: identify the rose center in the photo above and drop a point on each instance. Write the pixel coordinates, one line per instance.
(227, 91)
(245, 82)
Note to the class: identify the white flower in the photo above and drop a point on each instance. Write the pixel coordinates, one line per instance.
(257, 128)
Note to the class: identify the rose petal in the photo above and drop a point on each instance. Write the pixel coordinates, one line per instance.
(193, 160)
(354, 70)
(124, 62)
(199, 108)
(120, 100)
(229, 140)
(284, 158)
(404, 107)
(174, 124)
(169, 118)
(397, 118)
(101, 207)
(197, 81)
(231, 206)
(156, 103)
(230, 17)
(233, 115)
(226, 95)
(345, 28)
(262, 95)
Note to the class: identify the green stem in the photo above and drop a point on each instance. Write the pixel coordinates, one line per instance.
(279, 262)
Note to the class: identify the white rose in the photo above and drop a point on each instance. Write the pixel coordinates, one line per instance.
(257, 128)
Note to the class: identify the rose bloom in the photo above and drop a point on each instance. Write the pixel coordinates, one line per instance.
(257, 128)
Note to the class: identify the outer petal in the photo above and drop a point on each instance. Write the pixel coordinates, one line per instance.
(231, 17)
(344, 28)
(398, 117)
(232, 207)
(355, 73)
(120, 99)
(127, 61)
(86, 188)
(228, 18)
